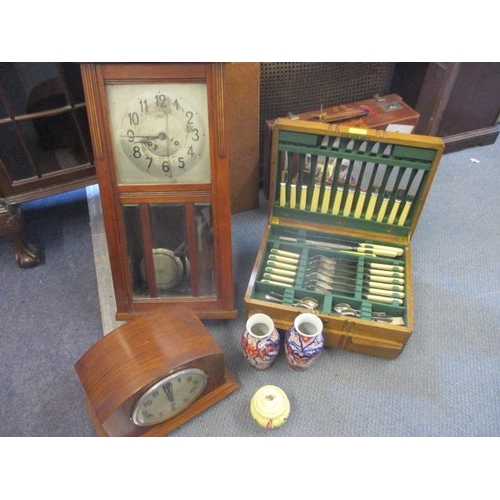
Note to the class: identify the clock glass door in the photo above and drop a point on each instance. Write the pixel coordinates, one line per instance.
(170, 249)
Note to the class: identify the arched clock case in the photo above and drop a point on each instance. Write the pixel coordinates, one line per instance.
(161, 155)
(153, 374)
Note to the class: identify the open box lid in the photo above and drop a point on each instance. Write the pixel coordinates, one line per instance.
(358, 179)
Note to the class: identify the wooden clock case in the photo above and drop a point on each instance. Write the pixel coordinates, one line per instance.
(121, 366)
(219, 302)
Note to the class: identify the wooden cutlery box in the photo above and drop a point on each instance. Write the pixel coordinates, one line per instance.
(344, 202)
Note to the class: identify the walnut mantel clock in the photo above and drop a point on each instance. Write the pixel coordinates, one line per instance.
(153, 374)
(160, 147)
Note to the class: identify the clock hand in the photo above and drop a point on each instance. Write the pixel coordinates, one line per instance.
(169, 170)
(169, 391)
(146, 138)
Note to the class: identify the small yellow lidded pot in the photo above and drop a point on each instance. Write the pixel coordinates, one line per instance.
(270, 407)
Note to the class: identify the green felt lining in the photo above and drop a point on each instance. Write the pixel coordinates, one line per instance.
(352, 294)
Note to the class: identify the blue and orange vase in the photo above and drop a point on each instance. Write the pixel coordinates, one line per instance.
(304, 341)
(260, 341)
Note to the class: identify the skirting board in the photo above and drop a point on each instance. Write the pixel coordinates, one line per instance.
(101, 257)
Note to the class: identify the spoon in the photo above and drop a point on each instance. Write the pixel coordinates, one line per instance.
(345, 307)
(307, 302)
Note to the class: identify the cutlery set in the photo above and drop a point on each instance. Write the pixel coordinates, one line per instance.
(349, 178)
(310, 270)
(344, 203)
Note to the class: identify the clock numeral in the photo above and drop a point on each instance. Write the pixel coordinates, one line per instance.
(144, 105)
(196, 135)
(191, 152)
(137, 152)
(165, 167)
(131, 135)
(134, 118)
(177, 105)
(182, 164)
(189, 115)
(161, 101)
(150, 160)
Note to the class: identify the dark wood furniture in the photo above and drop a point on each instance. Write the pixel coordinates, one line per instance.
(45, 146)
(458, 101)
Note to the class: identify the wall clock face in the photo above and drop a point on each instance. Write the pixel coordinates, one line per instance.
(159, 132)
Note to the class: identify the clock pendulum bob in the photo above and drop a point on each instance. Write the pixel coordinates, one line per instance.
(153, 374)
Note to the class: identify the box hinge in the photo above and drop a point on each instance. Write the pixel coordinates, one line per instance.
(273, 220)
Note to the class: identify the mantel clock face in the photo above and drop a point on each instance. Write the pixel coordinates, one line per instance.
(169, 397)
(160, 148)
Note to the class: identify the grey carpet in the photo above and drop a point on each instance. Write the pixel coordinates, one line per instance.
(445, 383)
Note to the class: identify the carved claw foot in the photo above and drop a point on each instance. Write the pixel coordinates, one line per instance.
(11, 225)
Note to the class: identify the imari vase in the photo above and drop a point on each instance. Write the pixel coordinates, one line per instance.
(260, 341)
(304, 341)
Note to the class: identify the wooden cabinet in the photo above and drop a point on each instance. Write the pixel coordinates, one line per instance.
(45, 146)
(459, 102)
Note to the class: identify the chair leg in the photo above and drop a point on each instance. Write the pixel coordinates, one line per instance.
(11, 225)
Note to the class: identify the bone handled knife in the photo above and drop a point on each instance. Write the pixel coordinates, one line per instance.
(281, 272)
(281, 279)
(303, 197)
(276, 283)
(385, 300)
(387, 279)
(386, 293)
(282, 194)
(360, 204)
(284, 253)
(293, 195)
(404, 213)
(286, 260)
(386, 267)
(282, 265)
(326, 199)
(388, 274)
(377, 248)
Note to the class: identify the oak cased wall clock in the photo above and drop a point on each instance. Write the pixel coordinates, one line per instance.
(160, 147)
